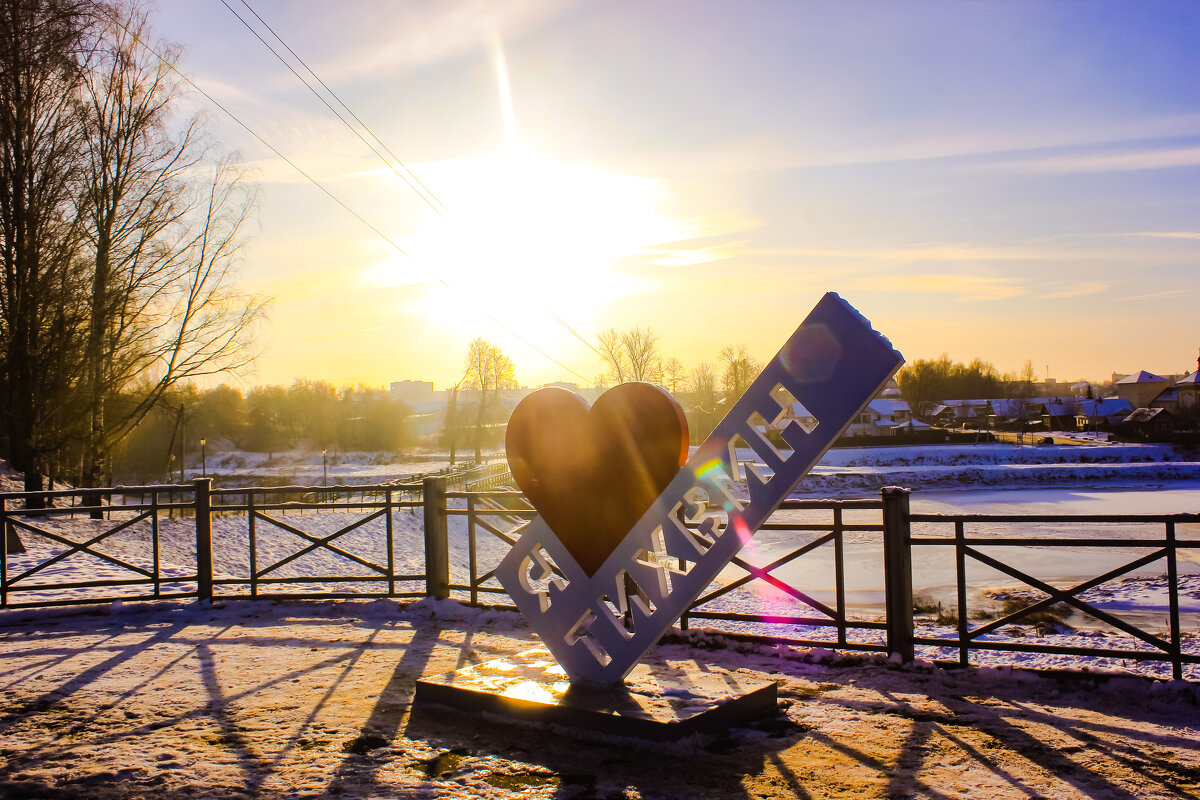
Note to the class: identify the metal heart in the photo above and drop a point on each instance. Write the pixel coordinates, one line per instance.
(599, 624)
(592, 473)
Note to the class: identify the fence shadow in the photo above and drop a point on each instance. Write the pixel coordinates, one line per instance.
(262, 698)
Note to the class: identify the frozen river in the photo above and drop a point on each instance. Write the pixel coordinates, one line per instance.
(1061, 566)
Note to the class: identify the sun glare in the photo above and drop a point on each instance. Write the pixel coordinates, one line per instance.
(531, 235)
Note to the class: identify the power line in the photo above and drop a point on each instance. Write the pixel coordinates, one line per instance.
(428, 195)
(349, 111)
(440, 211)
(328, 193)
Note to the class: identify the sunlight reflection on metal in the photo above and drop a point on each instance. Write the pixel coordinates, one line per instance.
(598, 626)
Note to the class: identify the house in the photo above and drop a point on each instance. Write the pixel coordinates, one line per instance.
(1188, 392)
(798, 413)
(880, 418)
(1140, 388)
(1059, 413)
(961, 413)
(1018, 413)
(909, 427)
(1103, 413)
(1150, 423)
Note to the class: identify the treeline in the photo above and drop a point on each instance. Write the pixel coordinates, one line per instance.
(119, 232)
(925, 382)
(705, 391)
(265, 419)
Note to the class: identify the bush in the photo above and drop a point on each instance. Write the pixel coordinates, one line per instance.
(1051, 619)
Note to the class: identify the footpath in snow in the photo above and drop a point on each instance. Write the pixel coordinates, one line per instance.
(314, 699)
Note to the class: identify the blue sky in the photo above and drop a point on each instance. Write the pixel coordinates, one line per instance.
(1003, 180)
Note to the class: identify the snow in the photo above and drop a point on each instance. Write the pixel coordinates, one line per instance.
(848, 471)
(314, 699)
(310, 468)
(295, 699)
(1138, 597)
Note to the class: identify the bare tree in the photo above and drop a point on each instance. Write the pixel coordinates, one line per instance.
(487, 368)
(43, 44)
(641, 353)
(740, 369)
(674, 374)
(117, 249)
(176, 314)
(612, 351)
(703, 384)
(630, 355)
(164, 235)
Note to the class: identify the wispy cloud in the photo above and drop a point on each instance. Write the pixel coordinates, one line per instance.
(995, 145)
(691, 256)
(967, 287)
(954, 253)
(1107, 162)
(433, 32)
(1079, 290)
(1157, 295)
(1163, 234)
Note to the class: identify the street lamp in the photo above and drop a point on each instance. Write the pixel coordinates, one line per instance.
(324, 469)
(203, 461)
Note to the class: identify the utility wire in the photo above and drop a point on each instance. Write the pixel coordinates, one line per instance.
(428, 195)
(330, 194)
(440, 211)
(432, 195)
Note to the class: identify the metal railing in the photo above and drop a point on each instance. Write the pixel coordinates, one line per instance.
(831, 534)
(142, 571)
(1161, 545)
(213, 554)
(265, 509)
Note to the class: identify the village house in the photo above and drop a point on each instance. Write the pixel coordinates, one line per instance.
(1187, 391)
(1101, 413)
(1151, 423)
(962, 413)
(1141, 388)
(881, 417)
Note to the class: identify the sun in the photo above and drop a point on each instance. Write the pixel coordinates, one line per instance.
(533, 238)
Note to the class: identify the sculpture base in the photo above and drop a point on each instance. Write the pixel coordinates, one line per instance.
(661, 703)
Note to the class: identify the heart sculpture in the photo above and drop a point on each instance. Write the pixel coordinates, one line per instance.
(599, 621)
(592, 473)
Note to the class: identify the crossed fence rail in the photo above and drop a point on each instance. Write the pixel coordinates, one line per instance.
(191, 541)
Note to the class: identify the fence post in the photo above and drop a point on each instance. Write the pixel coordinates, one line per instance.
(437, 546)
(12, 542)
(204, 562)
(897, 573)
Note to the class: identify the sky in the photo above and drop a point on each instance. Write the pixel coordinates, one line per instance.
(1007, 181)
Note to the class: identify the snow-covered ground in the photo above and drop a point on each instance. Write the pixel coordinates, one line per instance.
(315, 699)
(1139, 597)
(852, 470)
(310, 468)
(842, 471)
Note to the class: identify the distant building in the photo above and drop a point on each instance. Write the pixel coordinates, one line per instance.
(1104, 413)
(1052, 388)
(1188, 392)
(412, 391)
(961, 413)
(1151, 423)
(1140, 388)
(881, 417)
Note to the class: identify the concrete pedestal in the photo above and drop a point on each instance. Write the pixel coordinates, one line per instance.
(661, 703)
